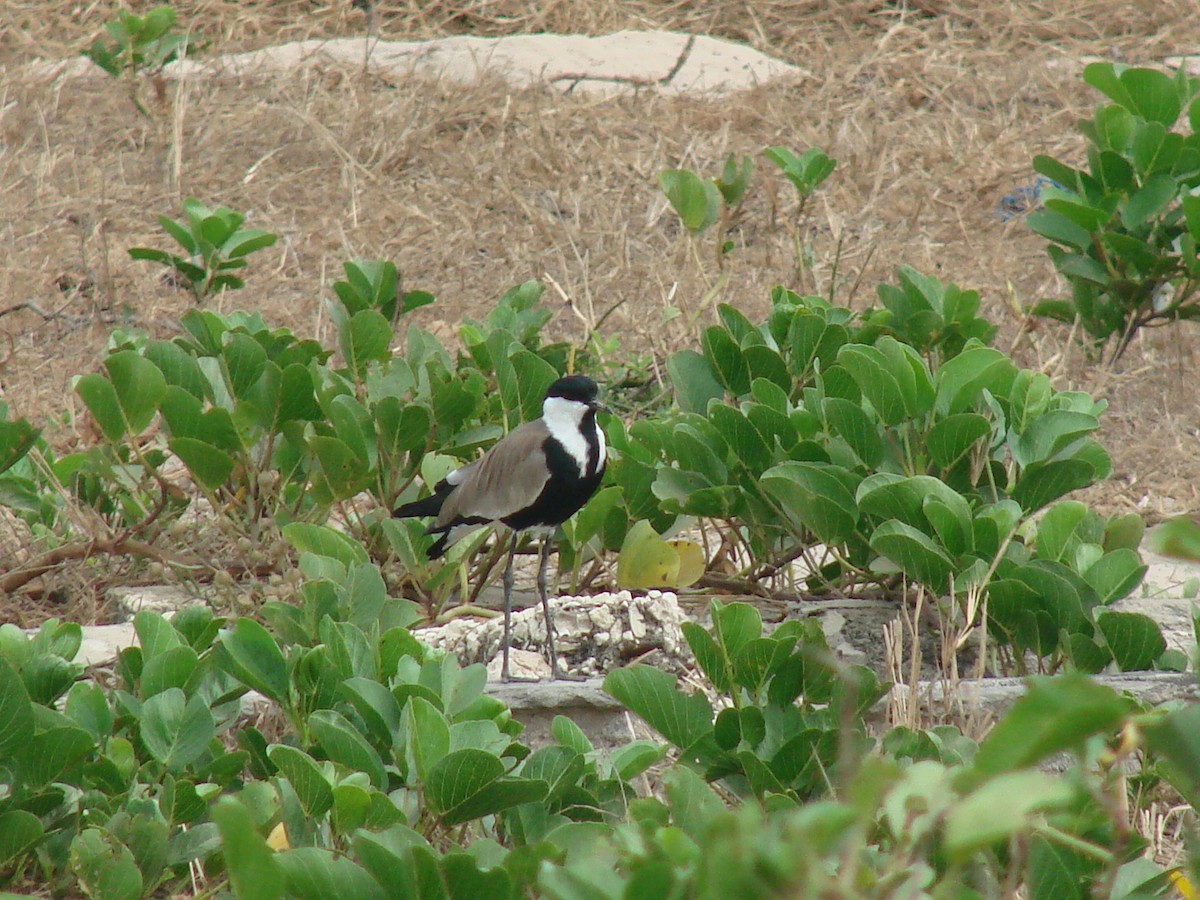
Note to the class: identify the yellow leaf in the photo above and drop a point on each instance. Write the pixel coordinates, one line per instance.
(646, 560)
(691, 562)
(1181, 883)
(278, 840)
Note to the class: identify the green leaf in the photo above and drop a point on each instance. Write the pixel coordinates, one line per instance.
(139, 387)
(693, 381)
(428, 734)
(1103, 77)
(1002, 807)
(708, 655)
(254, 871)
(1175, 736)
(1043, 483)
(324, 541)
(1056, 714)
(244, 361)
(178, 367)
(45, 756)
(209, 465)
(17, 438)
(855, 427)
(365, 338)
(636, 757)
(1115, 574)
(306, 777)
(343, 744)
(873, 372)
(1149, 200)
(951, 522)
(249, 653)
(697, 202)
(100, 397)
(104, 866)
(1179, 537)
(345, 471)
(1152, 95)
(185, 419)
(171, 668)
(686, 720)
(559, 767)
(1135, 640)
(816, 496)
(962, 380)
(1057, 528)
(313, 873)
(741, 436)
(19, 831)
(468, 784)
(694, 805)
(176, 730)
(87, 706)
(1086, 655)
(917, 555)
(1058, 228)
(728, 362)
(735, 625)
(952, 438)
(568, 734)
(534, 376)
(374, 703)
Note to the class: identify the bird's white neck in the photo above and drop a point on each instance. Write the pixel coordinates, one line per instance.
(564, 421)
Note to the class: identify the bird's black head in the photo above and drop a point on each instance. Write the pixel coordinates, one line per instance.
(579, 388)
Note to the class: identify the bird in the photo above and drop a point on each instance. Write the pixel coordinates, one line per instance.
(532, 480)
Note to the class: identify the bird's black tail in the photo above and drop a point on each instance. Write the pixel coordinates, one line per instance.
(426, 506)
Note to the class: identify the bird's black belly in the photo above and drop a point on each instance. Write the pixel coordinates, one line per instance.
(564, 494)
(558, 501)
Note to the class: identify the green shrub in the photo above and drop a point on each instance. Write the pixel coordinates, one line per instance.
(1124, 230)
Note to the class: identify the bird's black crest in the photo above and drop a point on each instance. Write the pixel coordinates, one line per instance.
(574, 387)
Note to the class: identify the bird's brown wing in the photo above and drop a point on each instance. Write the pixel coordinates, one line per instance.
(507, 479)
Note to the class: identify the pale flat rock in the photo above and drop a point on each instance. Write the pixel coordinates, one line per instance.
(102, 643)
(1190, 63)
(160, 598)
(554, 695)
(667, 61)
(1167, 576)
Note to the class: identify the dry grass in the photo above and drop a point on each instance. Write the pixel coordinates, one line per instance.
(933, 110)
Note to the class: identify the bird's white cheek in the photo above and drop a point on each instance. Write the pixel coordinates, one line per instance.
(602, 457)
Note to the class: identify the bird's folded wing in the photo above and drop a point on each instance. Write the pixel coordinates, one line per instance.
(509, 478)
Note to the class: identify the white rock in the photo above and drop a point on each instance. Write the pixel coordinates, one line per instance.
(521, 664)
(623, 62)
(637, 624)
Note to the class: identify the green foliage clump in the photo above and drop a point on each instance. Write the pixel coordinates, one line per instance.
(136, 43)
(216, 247)
(1124, 231)
(894, 445)
(391, 772)
(139, 47)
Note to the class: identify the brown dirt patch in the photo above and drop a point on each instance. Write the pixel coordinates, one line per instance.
(932, 109)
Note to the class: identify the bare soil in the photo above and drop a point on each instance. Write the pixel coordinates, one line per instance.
(933, 110)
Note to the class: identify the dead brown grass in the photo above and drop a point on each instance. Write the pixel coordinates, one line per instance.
(933, 110)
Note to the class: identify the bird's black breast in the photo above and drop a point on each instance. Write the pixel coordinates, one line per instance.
(565, 492)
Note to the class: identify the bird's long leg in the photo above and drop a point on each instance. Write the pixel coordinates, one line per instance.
(508, 586)
(543, 559)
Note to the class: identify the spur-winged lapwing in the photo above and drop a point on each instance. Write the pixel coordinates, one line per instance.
(534, 479)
